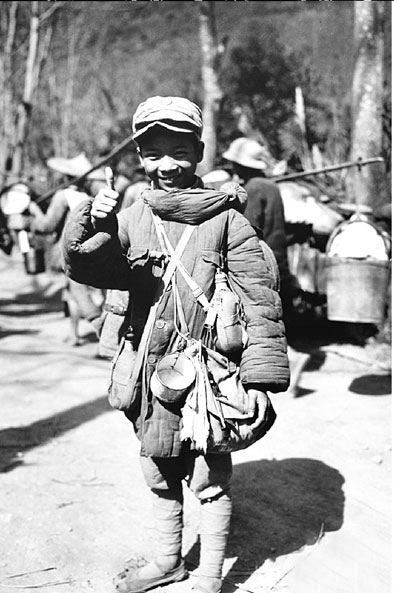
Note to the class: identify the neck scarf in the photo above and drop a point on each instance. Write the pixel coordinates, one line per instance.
(193, 205)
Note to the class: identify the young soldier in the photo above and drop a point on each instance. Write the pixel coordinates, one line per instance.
(123, 252)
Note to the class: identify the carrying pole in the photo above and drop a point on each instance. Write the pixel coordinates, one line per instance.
(359, 163)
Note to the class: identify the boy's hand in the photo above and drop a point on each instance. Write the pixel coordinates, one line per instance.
(259, 402)
(104, 203)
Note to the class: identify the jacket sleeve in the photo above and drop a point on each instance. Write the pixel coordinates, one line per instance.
(264, 361)
(96, 256)
(54, 217)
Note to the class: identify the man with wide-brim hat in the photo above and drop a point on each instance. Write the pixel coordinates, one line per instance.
(264, 209)
(81, 302)
(248, 153)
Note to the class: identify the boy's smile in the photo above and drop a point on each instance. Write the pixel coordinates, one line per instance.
(170, 158)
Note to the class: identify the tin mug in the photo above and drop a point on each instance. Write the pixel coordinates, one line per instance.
(173, 376)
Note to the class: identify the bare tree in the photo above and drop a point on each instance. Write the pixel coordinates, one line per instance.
(212, 91)
(25, 106)
(77, 36)
(16, 110)
(365, 186)
(8, 19)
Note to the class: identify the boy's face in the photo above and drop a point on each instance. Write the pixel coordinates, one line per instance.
(170, 158)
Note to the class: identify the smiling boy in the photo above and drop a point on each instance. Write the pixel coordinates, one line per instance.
(123, 252)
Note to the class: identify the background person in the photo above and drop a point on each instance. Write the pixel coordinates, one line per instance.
(264, 206)
(81, 302)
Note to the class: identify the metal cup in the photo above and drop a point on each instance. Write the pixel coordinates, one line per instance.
(173, 376)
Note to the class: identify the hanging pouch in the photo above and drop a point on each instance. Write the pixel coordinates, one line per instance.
(225, 321)
(121, 369)
(219, 415)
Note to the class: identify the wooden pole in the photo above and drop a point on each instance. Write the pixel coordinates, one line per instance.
(359, 163)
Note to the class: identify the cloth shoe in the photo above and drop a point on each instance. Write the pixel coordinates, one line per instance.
(136, 582)
(205, 588)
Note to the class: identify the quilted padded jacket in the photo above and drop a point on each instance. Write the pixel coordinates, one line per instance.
(124, 253)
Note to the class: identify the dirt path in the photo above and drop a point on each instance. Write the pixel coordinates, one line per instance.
(312, 501)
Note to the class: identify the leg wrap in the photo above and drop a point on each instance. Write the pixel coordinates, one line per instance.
(167, 509)
(214, 529)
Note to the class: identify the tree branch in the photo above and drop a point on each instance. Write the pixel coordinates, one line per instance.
(47, 14)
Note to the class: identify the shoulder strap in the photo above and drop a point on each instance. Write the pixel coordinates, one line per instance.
(197, 292)
(146, 334)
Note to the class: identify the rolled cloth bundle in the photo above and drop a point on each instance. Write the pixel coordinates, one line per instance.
(191, 206)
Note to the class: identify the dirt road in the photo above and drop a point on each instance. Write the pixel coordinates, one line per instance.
(312, 501)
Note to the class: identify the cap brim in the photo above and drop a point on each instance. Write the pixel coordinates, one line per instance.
(173, 127)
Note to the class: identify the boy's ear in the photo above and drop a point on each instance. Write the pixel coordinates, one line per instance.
(140, 156)
(200, 150)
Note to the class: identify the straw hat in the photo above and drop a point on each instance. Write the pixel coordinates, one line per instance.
(246, 152)
(74, 167)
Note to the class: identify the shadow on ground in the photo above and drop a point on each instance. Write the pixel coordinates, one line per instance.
(371, 385)
(13, 332)
(16, 441)
(279, 507)
(31, 303)
(309, 331)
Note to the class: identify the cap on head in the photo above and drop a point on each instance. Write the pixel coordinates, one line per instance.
(248, 153)
(173, 113)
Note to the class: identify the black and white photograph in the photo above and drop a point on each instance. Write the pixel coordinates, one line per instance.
(195, 296)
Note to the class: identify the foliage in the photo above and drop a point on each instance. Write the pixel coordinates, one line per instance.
(258, 77)
(326, 136)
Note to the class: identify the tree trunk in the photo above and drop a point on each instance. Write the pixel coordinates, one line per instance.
(8, 17)
(367, 187)
(69, 92)
(212, 91)
(55, 109)
(25, 107)
(77, 36)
